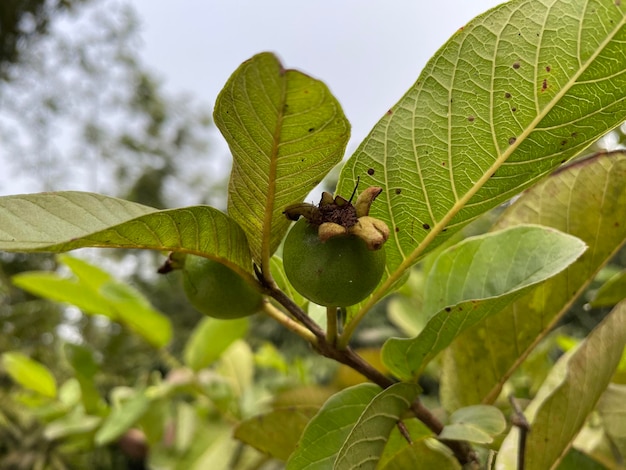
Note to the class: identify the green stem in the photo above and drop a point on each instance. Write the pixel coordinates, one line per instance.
(289, 323)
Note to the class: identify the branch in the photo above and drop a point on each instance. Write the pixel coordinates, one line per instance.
(461, 449)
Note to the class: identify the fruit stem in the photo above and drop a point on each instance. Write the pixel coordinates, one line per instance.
(289, 323)
(331, 325)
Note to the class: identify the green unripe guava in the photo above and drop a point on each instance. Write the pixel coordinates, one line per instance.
(217, 291)
(339, 272)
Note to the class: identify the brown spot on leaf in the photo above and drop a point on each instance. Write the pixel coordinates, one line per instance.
(507, 95)
(389, 112)
(448, 309)
(370, 171)
(516, 65)
(398, 190)
(470, 118)
(564, 142)
(548, 69)
(513, 109)
(512, 140)
(544, 84)
(311, 129)
(397, 229)
(426, 226)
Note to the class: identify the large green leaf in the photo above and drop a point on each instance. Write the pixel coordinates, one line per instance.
(568, 395)
(587, 200)
(366, 442)
(65, 221)
(511, 96)
(326, 432)
(476, 278)
(285, 131)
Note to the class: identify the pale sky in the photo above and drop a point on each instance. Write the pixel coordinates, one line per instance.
(368, 52)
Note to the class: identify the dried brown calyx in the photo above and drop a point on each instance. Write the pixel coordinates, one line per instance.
(337, 217)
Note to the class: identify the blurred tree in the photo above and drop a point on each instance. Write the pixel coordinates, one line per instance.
(79, 110)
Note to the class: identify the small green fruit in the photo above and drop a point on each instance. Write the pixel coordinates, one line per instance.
(218, 291)
(339, 272)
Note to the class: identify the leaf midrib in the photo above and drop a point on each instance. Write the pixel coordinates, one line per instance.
(271, 193)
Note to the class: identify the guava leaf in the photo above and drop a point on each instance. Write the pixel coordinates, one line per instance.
(478, 423)
(423, 454)
(476, 278)
(276, 433)
(512, 95)
(366, 442)
(64, 221)
(29, 373)
(122, 418)
(286, 131)
(95, 291)
(210, 339)
(587, 200)
(612, 410)
(326, 432)
(611, 292)
(568, 395)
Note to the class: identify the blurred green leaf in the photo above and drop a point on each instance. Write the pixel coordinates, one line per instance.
(210, 339)
(74, 423)
(121, 418)
(611, 292)
(276, 433)
(85, 369)
(366, 442)
(476, 278)
(587, 200)
(424, 454)
(477, 424)
(136, 312)
(326, 432)
(30, 374)
(95, 291)
(286, 131)
(278, 273)
(488, 418)
(569, 395)
(236, 365)
(512, 95)
(612, 410)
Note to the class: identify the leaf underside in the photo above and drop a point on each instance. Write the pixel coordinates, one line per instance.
(64, 221)
(587, 200)
(286, 131)
(477, 278)
(510, 97)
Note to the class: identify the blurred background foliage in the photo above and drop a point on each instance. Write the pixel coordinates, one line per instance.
(79, 110)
